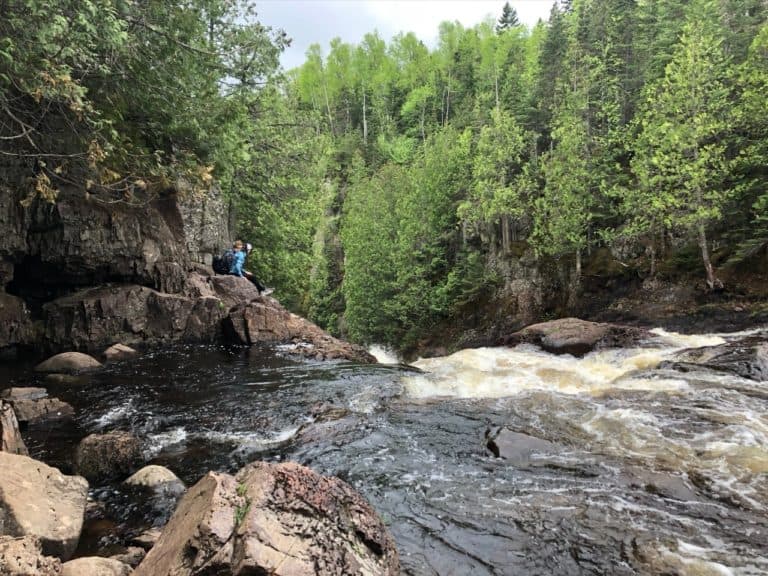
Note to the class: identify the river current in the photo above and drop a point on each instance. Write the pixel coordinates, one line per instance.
(608, 464)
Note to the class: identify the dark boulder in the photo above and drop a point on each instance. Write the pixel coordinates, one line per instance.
(577, 337)
(104, 456)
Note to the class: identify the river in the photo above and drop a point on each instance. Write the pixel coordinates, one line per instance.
(611, 464)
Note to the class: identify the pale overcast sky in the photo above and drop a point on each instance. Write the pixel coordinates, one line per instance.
(319, 21)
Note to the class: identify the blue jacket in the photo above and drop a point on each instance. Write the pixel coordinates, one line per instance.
(237, 263)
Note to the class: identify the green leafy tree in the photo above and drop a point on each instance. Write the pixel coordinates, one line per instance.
(680, 156)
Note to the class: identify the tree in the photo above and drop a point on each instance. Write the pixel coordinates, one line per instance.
(680, 156)
(508, 19)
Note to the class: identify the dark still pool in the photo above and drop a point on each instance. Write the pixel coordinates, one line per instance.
(490, 461)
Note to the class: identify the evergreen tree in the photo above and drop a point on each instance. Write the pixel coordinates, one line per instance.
(680, 155)
(508, 19)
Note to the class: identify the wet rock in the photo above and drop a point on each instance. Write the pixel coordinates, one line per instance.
(24, 557)
(516, 446)
(16, 326)
(96, 317)
(154, 476)
(747, 358)
(38, 500)
(119, 352)
(31, 404)
(65, 379)
(105, 456)
(68, 362)
(280, 519)
(10, 437)
(132, 556)
(95, 566)
(266, 321)
(576, 337)
(663, 484)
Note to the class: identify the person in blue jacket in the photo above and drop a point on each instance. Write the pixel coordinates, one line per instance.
(236, 269)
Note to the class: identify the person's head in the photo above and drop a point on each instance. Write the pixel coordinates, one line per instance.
(238, 245)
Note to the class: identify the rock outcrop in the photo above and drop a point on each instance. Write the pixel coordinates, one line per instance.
(280, 519)
(38, 500)
(104, 456)
(577, 337)
(23, 556)
(31, 404)
(747, 358)
(10, 437)
(265, 321)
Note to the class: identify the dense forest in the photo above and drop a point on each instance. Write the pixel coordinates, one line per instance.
(383, 183)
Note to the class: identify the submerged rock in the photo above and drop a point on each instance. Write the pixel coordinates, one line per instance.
(104, 456)
(24, 557)
(516, 446)
(280, 519)
(10, 437)
(31, 404)
(38, 500)
(576, 337)
(154, 477)
(68, 362)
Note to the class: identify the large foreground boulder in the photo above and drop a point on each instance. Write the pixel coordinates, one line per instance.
(265, 321)
(10, 437)
(31, 404)
(279, 519)
(23, 556)
(38, 500)
(104, 456)
(577, 337)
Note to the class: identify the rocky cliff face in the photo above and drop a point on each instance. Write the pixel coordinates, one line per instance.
(83, 275)
(66, 264)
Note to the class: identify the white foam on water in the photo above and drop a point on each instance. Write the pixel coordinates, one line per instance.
(115, 414)
(156, 443)
(383, 354)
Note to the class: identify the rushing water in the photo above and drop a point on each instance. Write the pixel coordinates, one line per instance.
(617, 467)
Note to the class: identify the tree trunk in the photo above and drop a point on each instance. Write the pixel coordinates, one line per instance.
(713, 282)
(365, 120)
(505, 233)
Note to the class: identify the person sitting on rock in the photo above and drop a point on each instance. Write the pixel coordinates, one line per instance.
(241, 251)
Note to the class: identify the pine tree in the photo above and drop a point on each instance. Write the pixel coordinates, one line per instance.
(680, 156)
(508, 19)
